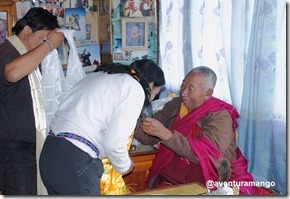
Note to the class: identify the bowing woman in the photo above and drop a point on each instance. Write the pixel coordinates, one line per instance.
(95, 121)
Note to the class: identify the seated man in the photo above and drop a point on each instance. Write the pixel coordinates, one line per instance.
(195, 132)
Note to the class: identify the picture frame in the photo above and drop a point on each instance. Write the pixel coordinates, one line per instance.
(8, 9)
(21, 8)
(75, 19)
(134, 34)
(86, 4)
(3, 26)
(89, 54)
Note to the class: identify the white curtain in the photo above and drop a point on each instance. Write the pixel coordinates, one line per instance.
(191, 34)
(244, 42)
(262, 128)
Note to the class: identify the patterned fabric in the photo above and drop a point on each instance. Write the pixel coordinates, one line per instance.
(76, 137)
(54, 83)
(204, 24)
(112, 182)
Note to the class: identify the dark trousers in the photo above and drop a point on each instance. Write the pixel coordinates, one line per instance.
(67, 170)
(17, 168)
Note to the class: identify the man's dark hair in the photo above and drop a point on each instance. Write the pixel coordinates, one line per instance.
(36, 18)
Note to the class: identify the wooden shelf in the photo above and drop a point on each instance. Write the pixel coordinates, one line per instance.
(9, 7)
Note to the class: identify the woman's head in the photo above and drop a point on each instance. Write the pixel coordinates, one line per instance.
(150, 76)
(36, 18)
(145, 71)
(150, 71)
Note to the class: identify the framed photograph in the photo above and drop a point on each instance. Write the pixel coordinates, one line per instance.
(7, 18)
(3, 26)
(89, 54)
(134, 34)
(86, 4)
(21, 8)
(75, 18)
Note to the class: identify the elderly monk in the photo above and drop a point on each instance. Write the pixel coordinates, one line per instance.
(195, 132)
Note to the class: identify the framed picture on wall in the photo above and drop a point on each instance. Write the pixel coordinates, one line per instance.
(21, 8)
(89, 54)
(134, 34)
(3, 26)
(75, 19)
(8, 18)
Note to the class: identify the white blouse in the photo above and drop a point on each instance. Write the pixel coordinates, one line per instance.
(103, 108)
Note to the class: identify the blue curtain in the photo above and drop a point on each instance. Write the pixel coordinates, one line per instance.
(262, 130)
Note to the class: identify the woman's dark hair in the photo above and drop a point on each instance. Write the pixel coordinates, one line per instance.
(36, 18)
(144, 71)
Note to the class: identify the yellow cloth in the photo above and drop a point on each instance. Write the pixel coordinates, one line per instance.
(183, 110)
(112, 182)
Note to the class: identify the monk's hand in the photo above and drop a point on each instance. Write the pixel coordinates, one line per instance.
(153, 127)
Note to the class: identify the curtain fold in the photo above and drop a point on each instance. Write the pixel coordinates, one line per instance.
(171, 45)
(263, 107)
(197, 40)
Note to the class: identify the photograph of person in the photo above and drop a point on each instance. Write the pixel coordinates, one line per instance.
(75, 19)
(3, 30)
(137, 39)
(89, 53)
(135, 32)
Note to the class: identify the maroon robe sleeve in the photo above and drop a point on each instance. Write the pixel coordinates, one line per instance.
(217, 127)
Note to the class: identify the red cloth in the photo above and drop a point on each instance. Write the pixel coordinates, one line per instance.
(204, 149)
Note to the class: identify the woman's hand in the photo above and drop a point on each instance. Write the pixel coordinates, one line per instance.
(130, 169)
(153, 127)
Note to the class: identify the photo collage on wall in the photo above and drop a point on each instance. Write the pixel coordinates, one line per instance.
(71, 14)
(134, 30)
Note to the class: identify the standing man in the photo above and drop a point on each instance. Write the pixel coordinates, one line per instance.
(85, 57)
(21, 104)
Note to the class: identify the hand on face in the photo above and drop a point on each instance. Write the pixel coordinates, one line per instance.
(56, 37)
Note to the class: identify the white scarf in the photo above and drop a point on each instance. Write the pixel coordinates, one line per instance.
(38, 109)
